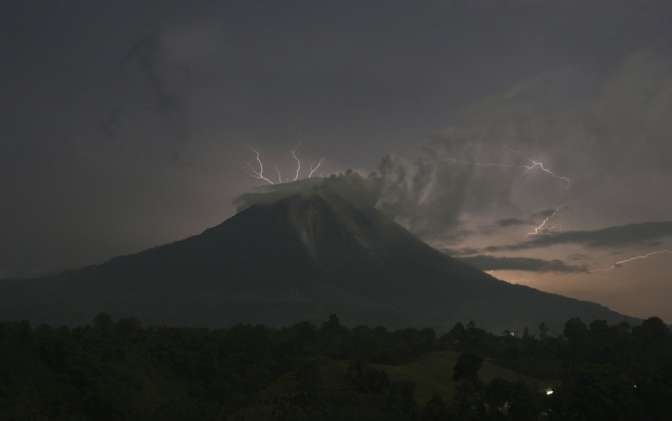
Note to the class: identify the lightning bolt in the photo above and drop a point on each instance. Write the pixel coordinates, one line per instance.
(620, 263)
(538, 164)
(542, 226)
(531, 166)
(298, 165)
(259, 173)
(315, 167)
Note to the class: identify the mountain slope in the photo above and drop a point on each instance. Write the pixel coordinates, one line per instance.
(302, 256)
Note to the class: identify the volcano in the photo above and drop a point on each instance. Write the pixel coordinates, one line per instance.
(299, 255)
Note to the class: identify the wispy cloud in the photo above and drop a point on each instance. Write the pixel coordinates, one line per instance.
(614, 236)
(528, 264)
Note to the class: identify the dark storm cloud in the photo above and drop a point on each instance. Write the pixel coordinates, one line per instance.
(527, 264)
(615, 236)
(511, 222)
(466, 251)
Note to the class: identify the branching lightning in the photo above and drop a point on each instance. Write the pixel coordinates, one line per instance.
(259, 173)
(529, 167)
(298, 165)
(258, 170)
(538, 164)
(315, 167)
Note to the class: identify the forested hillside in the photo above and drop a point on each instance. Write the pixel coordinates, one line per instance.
(120, 370)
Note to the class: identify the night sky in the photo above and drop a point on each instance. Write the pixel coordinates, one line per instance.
(531, 138)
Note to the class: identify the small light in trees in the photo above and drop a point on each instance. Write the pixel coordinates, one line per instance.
(549, 392)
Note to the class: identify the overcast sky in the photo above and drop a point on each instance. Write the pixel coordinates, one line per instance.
(128, 124)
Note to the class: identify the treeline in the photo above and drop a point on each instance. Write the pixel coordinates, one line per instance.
(121, 370)
(601, 372)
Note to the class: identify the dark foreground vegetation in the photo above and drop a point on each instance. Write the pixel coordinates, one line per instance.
(120, 370)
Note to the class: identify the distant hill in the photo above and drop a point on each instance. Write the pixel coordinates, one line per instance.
(311, 250)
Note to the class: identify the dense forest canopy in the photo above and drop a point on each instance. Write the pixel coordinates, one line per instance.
(122, 370)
